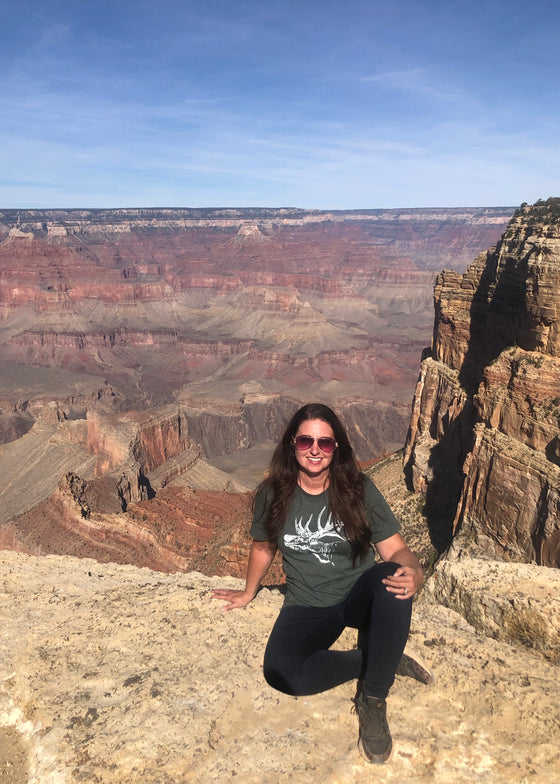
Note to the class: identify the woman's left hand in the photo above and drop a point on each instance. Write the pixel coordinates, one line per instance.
(404, 582)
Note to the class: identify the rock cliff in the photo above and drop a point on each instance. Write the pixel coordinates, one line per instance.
(485, 428)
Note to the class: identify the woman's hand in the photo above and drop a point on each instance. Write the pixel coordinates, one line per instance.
(405, 581)
(260, 557)
(234, 598)
(409, 576)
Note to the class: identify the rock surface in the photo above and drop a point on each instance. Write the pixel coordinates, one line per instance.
(507, 601)
(114, 674)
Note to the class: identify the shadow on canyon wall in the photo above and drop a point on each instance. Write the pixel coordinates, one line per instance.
(498, 318)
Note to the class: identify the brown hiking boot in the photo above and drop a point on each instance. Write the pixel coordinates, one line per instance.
(375, 742)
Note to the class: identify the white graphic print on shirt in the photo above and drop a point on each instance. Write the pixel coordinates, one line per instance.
(314, 541)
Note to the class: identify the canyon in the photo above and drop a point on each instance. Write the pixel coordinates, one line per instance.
(150, 355)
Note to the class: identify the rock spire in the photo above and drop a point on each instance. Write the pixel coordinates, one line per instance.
(484, 439)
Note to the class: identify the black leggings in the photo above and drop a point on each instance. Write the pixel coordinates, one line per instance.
(298, 661)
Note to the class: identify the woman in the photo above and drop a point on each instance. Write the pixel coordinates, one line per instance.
(324, 514)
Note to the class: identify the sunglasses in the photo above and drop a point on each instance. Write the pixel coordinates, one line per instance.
(325, 444)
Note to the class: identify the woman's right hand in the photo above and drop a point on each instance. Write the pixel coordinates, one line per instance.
(260, 557)
(234, 598)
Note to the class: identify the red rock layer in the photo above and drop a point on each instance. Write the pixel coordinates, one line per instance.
(180, 530)
(84, 254)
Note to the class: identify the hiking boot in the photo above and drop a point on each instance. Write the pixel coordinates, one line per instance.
(408, 666)
(374, 741)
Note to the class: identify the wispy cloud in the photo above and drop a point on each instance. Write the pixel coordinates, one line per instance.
(414, 80)
(400, 79)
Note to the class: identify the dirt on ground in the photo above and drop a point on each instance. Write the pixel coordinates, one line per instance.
(13, 757)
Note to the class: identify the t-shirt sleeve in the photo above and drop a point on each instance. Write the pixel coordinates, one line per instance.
(260, 512)
(382, 521)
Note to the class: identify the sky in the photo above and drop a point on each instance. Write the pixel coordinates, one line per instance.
(317, 104)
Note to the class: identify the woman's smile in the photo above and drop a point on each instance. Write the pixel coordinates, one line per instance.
(315, 459)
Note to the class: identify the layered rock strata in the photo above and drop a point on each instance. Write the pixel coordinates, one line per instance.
(419, 233)
(485, 428)
(149, 352)
(151, 301)
(179, 516)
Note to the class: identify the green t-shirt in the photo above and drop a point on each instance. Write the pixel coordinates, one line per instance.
(317, 560)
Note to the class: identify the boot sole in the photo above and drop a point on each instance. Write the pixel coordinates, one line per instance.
(412, 667)
(377, 759)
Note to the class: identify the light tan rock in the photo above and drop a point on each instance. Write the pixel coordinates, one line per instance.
(507, 601)
(117, 674)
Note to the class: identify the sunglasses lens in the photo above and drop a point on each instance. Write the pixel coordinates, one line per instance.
(304, 442)
(326, 445)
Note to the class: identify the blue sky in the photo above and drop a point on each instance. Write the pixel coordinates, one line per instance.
(314, 104)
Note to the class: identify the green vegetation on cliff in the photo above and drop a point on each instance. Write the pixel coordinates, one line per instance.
(541, 212)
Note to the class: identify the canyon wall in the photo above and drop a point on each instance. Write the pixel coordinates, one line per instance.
(426, 236)
(483, 443)
(142, 490)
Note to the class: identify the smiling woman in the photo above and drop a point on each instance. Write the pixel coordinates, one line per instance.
(324, 515)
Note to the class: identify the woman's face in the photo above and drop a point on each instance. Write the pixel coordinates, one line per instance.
(313, 461)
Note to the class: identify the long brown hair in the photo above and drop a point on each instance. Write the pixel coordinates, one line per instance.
(346, 482)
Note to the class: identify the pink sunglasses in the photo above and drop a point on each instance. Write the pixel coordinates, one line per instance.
(325, 444)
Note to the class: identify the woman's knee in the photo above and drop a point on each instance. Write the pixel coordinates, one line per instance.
(371, 582)
(386, 568)
(280, 678)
